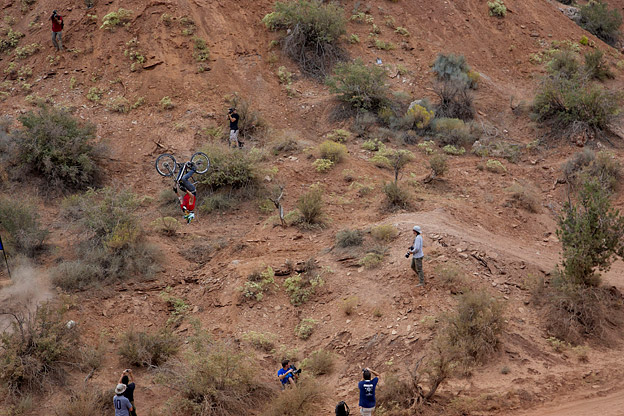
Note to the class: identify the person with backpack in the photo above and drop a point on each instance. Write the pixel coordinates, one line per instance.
(57, 30)
(342, 409)
(367, 392)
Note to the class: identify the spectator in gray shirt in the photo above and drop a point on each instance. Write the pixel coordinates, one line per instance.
(416, 250)
(121, 403)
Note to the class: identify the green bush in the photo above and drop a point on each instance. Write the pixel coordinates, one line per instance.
(59, 147)
(95, 94)
(26, 51)
(454, 68)
(112, 20)
(495, 166)
(360, 86)
(21, 222)
(310, 207)
(320, 362)
(332, 151)
(258, 283)
(215, 379)
(396, 197)
(313, 30)
(118, 105)
(438, 165)
(606, 169)
(497, 8)
(419, 117)
(166, 225)
(305, 328)
(147, 349)
(301, 286)
(166, 103)
(524, 197)
(339, 135)
(231, 168)
(10, 41)
(371, 260)
(596, 18)
(476, 326)
(592, 234)
(36, 349)
(201, 52)
(449, 149)
(596, 67)
(563, 63)
(217, 202)
(349, 238)
(566, 103)
(323, 165)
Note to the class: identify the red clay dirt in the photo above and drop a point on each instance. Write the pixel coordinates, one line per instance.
(466, 218)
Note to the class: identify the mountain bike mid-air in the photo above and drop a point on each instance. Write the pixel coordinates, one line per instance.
(167, 166)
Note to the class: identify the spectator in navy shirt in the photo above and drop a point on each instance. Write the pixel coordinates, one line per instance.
(128, 379)
(367, 392)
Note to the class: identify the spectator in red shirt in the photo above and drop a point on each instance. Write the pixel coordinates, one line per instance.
(57, 30)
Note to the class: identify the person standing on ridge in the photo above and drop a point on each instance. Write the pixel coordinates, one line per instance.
(57, 31)
(234, 117)
(416, 250)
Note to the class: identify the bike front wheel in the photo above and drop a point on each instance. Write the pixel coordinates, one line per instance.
(200, 159)
(166, 165)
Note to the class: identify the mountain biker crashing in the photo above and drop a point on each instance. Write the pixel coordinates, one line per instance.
(187, 202)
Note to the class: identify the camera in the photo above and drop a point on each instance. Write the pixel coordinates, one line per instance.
(230, 110)
(295, 371)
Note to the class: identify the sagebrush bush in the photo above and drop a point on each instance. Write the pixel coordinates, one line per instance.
(396, 197)
(573, 167)
(372, 259)
(10, 40)
(313, 30)
(563, 63)
(258, 283)
(59, 147)
(305, 328)
(21, 222)
(524, 197)
(306, 399)
(384, 233)
(214, 380)
(332, 151)
(320, 362)
(231, 168)
(301, 286)
(566, 104)
(596, 67)
(606, 169)
(310, 206)
(452, 276)
(497, 8)
(349, 238)
(36, 349)
(476, 326)
(145, 349)
(217, 202)
(323, 165)
(455, 70)
(359, 86)
(349, 304)
(113, 245)
(596, 18)
(260, 340)
(121, 17)
(88, 401)
(419, 117)
(438, 165)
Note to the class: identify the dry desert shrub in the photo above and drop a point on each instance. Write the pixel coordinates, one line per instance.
(319, 362)
(303, 400)
(147, 349)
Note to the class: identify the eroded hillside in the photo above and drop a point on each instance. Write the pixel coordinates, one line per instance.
(469, 218)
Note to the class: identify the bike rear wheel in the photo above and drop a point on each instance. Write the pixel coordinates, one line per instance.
(166, 164)
(200, 159)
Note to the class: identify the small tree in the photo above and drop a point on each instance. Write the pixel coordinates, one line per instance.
(602, 22)
(592, 233)
(398, 160)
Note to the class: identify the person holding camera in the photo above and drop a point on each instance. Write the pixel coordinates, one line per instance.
(288, 374)
(416, 250)
(233, 117)
(123, 407)
(367, 391)
(127, 379)
(57, 30)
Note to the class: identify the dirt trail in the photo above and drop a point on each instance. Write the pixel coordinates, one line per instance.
(612, 405)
